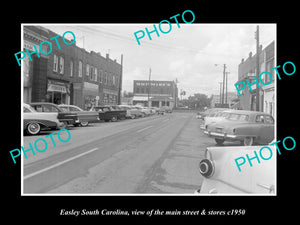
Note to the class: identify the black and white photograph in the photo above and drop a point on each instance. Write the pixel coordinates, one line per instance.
(123, 113)
(131, 109)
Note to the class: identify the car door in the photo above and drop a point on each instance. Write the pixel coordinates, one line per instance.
(268, 129)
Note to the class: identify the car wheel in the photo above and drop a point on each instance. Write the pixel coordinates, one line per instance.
(114, 119)
(248, 141)
(84, 123)
(132, 116)
(219, 141)
(33, 128)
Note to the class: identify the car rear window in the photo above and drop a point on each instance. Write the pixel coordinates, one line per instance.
(238, 117)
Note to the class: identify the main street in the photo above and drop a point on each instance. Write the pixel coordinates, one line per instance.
(157, 154)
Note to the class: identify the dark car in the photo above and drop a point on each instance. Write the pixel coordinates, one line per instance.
(66, 117)
(108, 113)
(84, 117)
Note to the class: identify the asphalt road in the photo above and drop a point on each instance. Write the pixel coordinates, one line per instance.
(152, 155)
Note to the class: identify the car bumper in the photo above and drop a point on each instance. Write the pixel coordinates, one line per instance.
(222, 135)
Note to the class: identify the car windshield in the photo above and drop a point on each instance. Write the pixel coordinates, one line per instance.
(238, 117)
(64, 108)
(28, 108)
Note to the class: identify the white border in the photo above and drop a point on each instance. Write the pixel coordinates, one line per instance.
(156, 194)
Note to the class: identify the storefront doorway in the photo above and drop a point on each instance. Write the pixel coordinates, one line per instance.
(58, 92)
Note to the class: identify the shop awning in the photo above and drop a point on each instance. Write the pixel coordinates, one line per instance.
(162, 98)
(140, 98)
(57, 88)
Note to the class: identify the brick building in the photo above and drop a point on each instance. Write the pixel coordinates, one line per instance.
(71, 75)
(247, 70)
(35, 69)
(161, 93)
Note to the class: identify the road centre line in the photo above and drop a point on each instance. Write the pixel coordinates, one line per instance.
(58, 164)
(144, 129)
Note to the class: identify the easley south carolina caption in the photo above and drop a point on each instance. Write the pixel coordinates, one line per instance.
(152, 212)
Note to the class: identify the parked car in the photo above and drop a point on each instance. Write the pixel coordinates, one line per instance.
(199, 115)
(167, 109)
(221, 175)
(153, 110)
(84, 117)
(107, 113)
(217, 117)
(66, 117)
(161, 111)
(131, 113)
(248, 127)
(144, 110)
(211, 112)
(34, 122)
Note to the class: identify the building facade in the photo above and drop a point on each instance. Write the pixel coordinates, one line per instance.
(155, 93)
(247, 70)
(71, 75)
(35, 68)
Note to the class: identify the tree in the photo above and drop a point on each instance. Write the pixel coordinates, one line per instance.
(199, 101)
(127, 94)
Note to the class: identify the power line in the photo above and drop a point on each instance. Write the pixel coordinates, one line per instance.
(132, 41)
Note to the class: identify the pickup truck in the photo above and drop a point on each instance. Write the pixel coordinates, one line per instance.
(66, 117)
(107, 113)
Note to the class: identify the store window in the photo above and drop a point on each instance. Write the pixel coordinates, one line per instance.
(61, 65)
(95, 74)
(55, 63)
(87, 71)
(79, 69)
(105, 77)
(71, 68)
(113, 80)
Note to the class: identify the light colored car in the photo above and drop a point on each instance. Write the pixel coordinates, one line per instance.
(167, 109)
(34, 122)
(248, 127)
(83, 117)
(131, 113)
(144, 110)
(217, 117)
(221, 175)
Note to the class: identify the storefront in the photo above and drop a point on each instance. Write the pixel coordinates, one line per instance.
(32, 36)
(58, 92)
(90, 95)
(110, 97)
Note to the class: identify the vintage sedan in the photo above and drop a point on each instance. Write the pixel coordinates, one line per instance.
(219, 116)
(66, 117)
(84, 117)
(248, 127)
(34, 122)
(108, 113)
(221, 175)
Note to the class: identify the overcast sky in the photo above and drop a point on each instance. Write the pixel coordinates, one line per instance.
(188, 53)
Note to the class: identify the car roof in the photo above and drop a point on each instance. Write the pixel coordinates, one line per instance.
(249, 112)
(40, 103)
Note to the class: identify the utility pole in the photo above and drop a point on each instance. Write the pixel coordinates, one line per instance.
(226, 87)
(223, 84)
(220, 92)
(120, 82)
(149, 86)
(257, 66)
